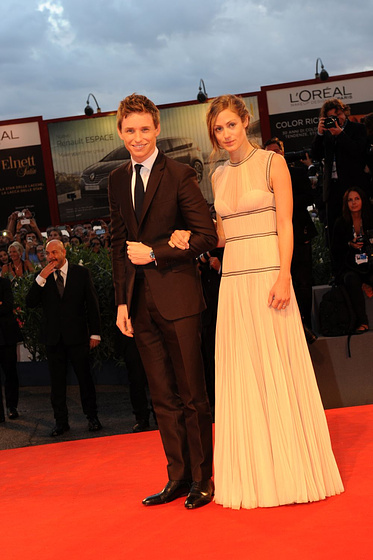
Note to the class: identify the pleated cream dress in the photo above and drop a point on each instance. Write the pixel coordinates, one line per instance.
(272, 444)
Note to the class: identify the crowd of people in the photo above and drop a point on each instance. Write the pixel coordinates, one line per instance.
(22, 244)
(272, 445)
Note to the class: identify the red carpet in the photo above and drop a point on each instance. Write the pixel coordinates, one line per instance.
(82, 500)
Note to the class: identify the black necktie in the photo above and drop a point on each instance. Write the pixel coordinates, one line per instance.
(139, 192)
(59, 282)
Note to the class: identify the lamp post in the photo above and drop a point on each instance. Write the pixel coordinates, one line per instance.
(89, 110)
(323, 75)
(202, 94)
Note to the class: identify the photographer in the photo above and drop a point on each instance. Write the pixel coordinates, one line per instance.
(341, 143)
(304, 230)
(352, 252)
(22, 223)
(30, 242)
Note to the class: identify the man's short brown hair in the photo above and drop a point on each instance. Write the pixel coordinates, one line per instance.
(334, 103)
(276, 141)
(135, 103)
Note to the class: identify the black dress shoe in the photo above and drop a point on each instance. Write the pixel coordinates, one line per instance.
(94, 424)
(174, 489)
(141, 426)
(201, 493)
(59, 429)
(12, 413)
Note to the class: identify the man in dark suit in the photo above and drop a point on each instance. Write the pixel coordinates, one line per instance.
(159, 295)
(71, 327)
(341, 143)
(9, 336)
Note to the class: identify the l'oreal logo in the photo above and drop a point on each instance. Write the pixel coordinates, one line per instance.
(306, 95)
(8, 135)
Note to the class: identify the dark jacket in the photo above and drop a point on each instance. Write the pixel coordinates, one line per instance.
(9, 329)
(172, 201)
(75, 316)
(303, 226)
(349, 150)
(343, 256)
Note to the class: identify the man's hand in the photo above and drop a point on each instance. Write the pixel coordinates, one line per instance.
(123, 321)
(215, 263)
(335, 130)
(47, 270)
(307, 160)
(93, 342)
(138, 253)
(180, 239)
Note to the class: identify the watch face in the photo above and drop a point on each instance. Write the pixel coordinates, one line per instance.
(152, 255)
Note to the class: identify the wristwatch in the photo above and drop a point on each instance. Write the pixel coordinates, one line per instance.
(152, 255)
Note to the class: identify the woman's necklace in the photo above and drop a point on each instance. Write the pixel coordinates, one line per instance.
(17, 267)
(236, 164)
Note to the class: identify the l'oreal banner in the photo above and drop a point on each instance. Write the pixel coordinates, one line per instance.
(22, 176)
(294, 111)
(85, 151)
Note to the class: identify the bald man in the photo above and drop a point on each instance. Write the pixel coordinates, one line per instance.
(70, 328)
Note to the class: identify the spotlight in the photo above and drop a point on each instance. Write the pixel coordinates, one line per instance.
(323, 75)
(89, 110)
(202, 94)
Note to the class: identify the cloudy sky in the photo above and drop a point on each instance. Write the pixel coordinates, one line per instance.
(54, 52)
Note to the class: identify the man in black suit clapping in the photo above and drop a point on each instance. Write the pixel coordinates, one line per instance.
(70, 328)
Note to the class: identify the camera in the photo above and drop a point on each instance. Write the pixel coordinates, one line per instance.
(21, 215)
(292, 157)
(330, 122)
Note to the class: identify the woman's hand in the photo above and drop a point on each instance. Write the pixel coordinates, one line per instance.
(180, 239)
(279, 296)
(357, 246)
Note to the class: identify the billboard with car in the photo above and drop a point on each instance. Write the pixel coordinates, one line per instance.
(85, 150)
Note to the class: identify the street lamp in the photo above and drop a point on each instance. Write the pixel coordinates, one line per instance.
(323, 75)
(89, 110)
(202, 94)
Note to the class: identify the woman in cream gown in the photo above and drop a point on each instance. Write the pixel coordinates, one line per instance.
(272, 445)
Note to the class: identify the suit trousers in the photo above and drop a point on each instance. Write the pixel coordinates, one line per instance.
(138, 382)
(8, 362)
(58, 357)
(171, 354)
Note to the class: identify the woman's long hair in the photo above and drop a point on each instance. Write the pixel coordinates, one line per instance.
(366, 208)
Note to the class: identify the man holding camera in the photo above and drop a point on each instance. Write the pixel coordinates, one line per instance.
(341, 144)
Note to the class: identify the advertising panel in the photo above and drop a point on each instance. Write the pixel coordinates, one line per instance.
(22, 175)
(294, 111)
(85, 151)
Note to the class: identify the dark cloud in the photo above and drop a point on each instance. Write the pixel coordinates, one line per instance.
(53, 53)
